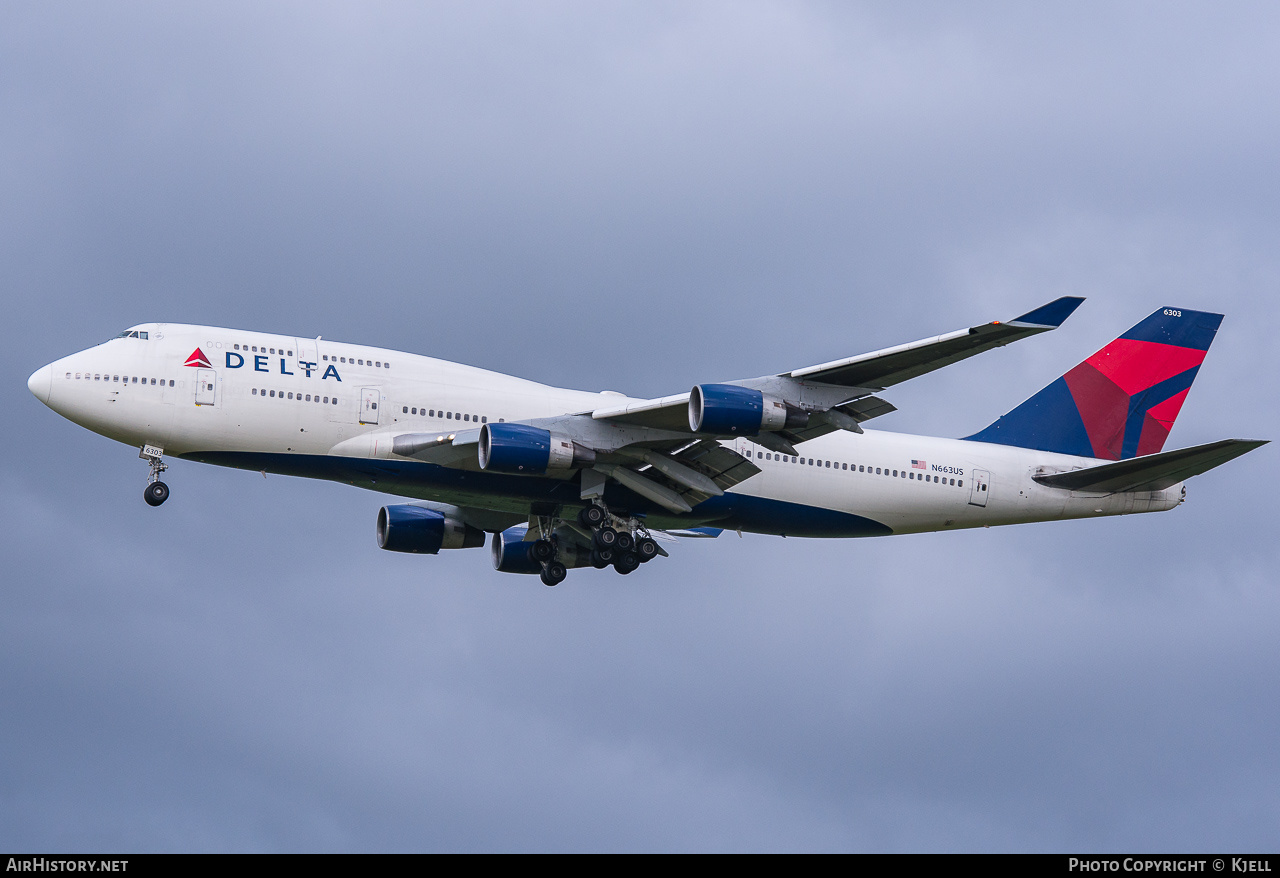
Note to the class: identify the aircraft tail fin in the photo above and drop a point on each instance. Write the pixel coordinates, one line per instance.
(1121, 402)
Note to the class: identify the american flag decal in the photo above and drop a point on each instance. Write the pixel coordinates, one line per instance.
(917, 464)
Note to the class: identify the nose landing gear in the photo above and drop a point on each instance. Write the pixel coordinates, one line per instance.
(156, 491)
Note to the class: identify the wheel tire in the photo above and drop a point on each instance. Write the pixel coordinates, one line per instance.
(591, 517)
(601, 558)
(156, 493)
(553, 573)
(606, 538)
(626, 562)
(647, 548)
(542, 551)
(626, 542)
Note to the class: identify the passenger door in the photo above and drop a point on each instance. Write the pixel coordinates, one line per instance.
(206, 386)
(369, 399)
(306, 348)
(979, 487)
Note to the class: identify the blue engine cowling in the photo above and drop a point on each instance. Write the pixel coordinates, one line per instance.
(730, 410)
(514, 448)
(511, 553)
(423, 531)
(525, 450)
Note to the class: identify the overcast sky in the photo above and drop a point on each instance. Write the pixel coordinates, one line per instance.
(637, 197)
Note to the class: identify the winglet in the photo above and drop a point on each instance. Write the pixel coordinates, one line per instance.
(1051, 315)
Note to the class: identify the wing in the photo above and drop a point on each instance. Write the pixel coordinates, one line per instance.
(832, 386)
(669, 450)
(885, 368)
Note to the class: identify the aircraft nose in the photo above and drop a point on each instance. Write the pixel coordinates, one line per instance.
(41, 383)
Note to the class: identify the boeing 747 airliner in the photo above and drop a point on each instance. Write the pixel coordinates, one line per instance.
(566, 478)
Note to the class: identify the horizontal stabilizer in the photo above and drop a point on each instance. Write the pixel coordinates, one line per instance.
(1154, 472)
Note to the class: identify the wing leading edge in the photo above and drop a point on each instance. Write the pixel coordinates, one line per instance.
(834, 385)
(890, 366)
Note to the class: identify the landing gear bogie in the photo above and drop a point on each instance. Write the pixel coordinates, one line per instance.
(618, 540)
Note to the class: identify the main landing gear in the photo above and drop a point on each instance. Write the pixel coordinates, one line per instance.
(544, 552)
(156, 491)
(622, 548)
(621, 543)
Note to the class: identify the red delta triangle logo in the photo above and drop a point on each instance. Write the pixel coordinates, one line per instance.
(198, 358)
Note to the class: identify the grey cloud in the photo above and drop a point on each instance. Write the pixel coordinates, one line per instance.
(635, 198)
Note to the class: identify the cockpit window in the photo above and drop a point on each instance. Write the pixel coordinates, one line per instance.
(132, 333)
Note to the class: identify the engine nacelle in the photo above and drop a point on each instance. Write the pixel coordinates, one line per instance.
(511, 552)
(423, 531)
(525, 450)
(730, 410)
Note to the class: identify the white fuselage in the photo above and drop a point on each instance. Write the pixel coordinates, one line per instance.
(330, 410)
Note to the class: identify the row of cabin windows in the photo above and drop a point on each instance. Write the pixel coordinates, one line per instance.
(280, 394)
(255, 349)
(831, 464)
(353, 361)
(118, 379)
(451, 416)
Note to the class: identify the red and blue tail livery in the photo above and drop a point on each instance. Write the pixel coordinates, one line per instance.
(1122, 401)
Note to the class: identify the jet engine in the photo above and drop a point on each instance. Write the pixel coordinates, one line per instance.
(423, 531)
(525, 450)
(727, 409)
(511, 554)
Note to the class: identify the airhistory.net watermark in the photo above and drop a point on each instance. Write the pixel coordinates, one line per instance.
(42, 864)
